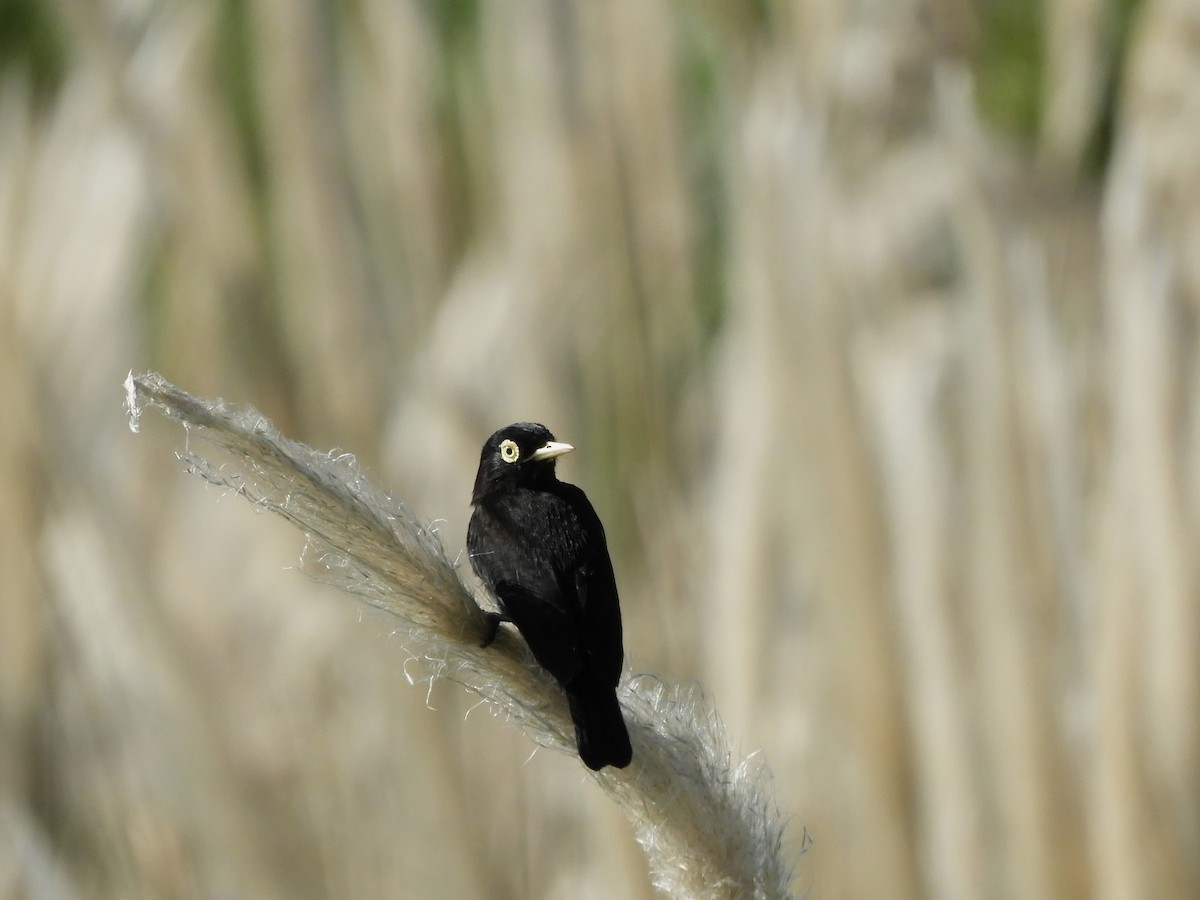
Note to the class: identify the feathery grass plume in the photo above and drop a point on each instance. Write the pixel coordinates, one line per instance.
(709, 827)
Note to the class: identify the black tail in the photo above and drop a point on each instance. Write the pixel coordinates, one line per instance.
(600, 729)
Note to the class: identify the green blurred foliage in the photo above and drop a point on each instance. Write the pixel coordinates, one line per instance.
(1009, 67)
(31, 39)
(235, 73)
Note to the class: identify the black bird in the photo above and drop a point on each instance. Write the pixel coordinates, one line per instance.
(537, 544)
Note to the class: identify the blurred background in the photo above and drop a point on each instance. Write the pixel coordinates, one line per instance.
(875, 325)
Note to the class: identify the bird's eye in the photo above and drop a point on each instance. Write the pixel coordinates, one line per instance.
(509, 451)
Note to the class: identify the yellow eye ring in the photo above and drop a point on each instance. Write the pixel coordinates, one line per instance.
(509, 451)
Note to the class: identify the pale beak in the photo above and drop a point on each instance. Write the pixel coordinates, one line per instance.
(550, 450)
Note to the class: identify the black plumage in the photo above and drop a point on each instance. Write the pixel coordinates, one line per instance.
(537, 544)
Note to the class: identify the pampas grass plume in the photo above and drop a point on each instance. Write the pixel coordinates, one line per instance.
(707, 823)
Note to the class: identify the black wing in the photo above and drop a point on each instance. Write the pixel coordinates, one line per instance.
(514, 553)
(595, 591)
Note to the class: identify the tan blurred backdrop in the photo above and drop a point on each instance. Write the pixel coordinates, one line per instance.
(875, 324)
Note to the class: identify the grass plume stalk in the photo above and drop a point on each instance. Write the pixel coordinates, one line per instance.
(707, 823)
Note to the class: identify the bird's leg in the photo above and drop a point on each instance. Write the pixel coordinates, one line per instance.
(491, 624)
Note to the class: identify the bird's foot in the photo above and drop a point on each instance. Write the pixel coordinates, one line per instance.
(491, 625)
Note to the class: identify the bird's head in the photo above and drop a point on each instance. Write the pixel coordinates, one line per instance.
(519, 454)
